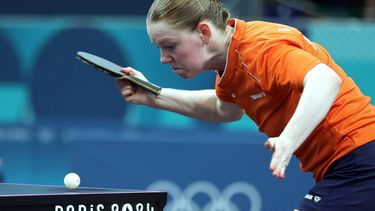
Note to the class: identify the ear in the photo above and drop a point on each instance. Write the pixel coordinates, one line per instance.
(204, 31)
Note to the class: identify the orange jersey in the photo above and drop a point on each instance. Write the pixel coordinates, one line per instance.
(266, 66)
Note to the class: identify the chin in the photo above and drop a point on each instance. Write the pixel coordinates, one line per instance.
(185, 77)
(186, 74)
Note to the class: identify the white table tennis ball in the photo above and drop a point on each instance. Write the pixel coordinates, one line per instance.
(72, 180)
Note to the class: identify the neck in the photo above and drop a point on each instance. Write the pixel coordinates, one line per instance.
(218, 54)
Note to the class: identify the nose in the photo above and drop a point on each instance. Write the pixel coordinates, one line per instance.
(165, 58)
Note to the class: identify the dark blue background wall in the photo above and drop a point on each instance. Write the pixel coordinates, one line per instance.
(75, 7)
(57, 115)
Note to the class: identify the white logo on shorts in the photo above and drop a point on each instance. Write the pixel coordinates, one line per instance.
(313, 197)
(317, 198)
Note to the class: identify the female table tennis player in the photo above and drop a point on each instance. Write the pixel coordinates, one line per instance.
(288, 85)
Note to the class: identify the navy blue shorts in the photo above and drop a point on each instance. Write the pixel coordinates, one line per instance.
(349, 184)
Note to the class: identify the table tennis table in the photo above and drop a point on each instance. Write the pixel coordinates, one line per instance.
(24, 197)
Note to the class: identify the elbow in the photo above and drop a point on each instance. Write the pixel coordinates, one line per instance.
(335, 78)
(336, 82)
(234, 116)
(238, 116)
(339, 82)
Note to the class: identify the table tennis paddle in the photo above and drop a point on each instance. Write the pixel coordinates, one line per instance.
(114, 70)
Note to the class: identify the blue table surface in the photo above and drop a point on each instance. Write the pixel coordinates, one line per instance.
(31, 189)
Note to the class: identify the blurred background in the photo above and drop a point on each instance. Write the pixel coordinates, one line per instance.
(57, 115)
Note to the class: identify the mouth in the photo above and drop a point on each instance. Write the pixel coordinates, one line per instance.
(180, 72)
(177, 70)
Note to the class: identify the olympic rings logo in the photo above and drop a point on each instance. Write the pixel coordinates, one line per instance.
(183, 200)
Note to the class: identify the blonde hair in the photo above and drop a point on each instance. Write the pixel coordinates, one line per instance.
(186, 14)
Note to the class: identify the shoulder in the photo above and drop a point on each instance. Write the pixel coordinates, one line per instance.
(269, 29)
(262, 33)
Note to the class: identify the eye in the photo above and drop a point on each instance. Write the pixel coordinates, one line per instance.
(169, 46)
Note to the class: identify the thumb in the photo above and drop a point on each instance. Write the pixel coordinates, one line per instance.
(127, 70)
(270, 144)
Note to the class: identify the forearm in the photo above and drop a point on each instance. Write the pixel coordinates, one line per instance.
(321, 87)
(201, 104)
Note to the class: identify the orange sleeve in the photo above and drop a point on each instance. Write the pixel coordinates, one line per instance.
(286, 66)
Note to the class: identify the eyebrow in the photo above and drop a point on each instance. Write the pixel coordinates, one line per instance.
(163, 41)
(166, 39)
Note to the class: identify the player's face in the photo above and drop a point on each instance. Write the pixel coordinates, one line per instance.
(183, 50)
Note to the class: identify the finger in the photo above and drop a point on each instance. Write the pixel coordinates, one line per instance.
(120, 83)
(279, 172)
(278, 165)
(128, 70)
(128, 90)
(271, 144)
(274, 161)
(127, 93)
(275, 167)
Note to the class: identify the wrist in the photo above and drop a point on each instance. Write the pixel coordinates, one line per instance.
(289, 140)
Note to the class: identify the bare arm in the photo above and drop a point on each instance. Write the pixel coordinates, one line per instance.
(321, 86)
(201, 104)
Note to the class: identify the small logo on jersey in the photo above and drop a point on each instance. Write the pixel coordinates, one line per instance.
(257, 96)
(312, 197)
